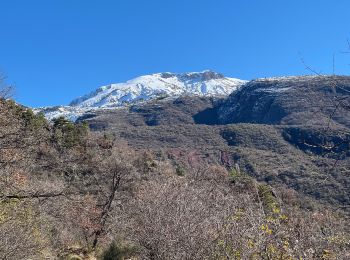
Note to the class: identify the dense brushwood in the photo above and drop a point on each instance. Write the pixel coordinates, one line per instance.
(68, 193)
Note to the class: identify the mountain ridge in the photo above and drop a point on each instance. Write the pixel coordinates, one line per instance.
(144, 88)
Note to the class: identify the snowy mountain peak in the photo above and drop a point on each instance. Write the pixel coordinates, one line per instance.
(148, 87)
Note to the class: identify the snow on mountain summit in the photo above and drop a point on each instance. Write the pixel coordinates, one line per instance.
(148, 87)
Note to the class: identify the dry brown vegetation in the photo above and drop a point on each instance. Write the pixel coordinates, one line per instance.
(66, 192)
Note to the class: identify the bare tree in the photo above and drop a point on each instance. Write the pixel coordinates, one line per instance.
(6, 90)
(19, 220)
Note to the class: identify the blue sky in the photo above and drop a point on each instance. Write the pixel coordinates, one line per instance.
(56, 50)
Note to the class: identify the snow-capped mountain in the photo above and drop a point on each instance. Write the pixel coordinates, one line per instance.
(144, 88)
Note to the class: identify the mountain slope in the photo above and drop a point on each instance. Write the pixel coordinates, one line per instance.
(286, 131)
(148, 87)
(305, 100)
(56, 180)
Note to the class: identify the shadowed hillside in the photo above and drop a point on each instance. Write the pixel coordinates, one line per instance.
(308, 100)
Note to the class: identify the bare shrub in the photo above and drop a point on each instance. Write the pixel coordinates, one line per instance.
(6, 90)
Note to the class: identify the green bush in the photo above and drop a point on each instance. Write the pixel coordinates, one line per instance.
(68, 134)
(74, 257)
(118, 252)
(242, 181)
(267, 198)
(180, 171)
(33, 121)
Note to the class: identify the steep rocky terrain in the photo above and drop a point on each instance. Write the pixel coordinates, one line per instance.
(308, 100)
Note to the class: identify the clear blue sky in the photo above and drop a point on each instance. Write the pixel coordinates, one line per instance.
(56, 50)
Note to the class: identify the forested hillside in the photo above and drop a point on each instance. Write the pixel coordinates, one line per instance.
(68, 193)
(289, 131)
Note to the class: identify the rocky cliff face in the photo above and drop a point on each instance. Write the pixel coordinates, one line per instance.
(308, 100)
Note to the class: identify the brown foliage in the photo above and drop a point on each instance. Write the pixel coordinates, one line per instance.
(79, 198)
